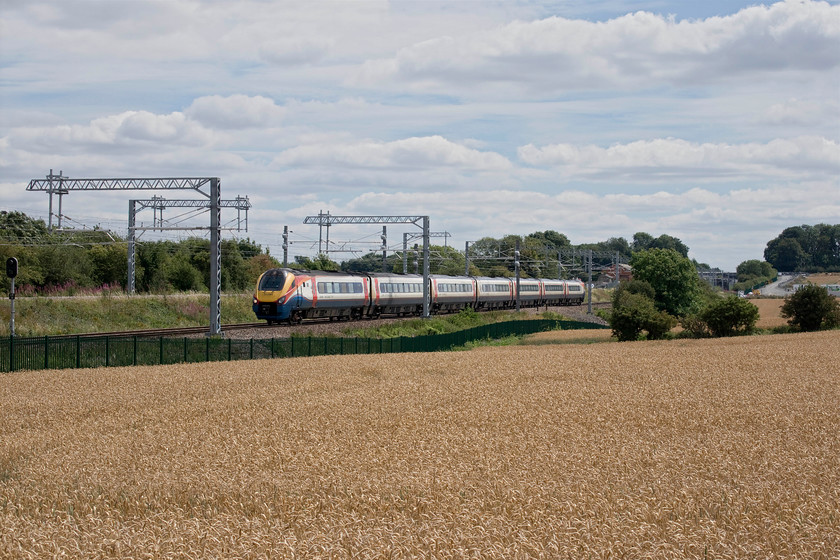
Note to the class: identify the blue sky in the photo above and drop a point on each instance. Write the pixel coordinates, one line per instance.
(715, 122)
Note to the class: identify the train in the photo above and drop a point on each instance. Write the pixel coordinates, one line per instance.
(290, 295)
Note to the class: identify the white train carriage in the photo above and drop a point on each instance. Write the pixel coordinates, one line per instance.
(338, 295)
(530, 292)
(554, 292)
(396, 294)
(575, 292)
(493, 293)
(452, 293)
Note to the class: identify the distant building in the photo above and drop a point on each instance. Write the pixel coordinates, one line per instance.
(718, 279)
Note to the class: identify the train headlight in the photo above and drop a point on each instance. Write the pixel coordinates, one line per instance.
(255, 299)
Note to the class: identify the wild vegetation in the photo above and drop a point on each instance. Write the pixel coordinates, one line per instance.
(114, 311)
(805, 249)
(722, 448)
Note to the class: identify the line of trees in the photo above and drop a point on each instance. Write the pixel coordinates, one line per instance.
(805, 249)
(94, 258)
(72, 261)
(491, 256)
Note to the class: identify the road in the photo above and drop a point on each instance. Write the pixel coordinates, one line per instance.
(779, 287)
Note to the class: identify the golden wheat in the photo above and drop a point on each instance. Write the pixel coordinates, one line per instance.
(681, 449)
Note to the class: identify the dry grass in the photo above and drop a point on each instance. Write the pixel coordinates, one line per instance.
(769, 313)
(823, 278)
(571, 336)
(682, 449)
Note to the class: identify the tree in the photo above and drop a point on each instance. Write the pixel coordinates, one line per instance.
(730, 316)
(321, 262)
(109, 264)
(673, 278)
(806, 248)
(20, 227)
(634, 312)
(642, 241)
(811, 308)
(668, 242)
(786, 254)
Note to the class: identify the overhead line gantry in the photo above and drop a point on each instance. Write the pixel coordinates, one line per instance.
(209, 187)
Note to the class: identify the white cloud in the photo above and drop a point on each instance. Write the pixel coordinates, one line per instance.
(409, 153)
(127, 129)
(235, 111)
(637, 50)
(671, 157)
(298, 50)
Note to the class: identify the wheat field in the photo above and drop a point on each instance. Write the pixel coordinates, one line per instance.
(673, 449)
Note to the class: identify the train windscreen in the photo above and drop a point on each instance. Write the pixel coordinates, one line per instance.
(273, 280)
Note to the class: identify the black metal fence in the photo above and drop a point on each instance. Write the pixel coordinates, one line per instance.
(87, 352)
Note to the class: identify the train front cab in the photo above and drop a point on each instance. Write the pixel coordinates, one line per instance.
(273, 290)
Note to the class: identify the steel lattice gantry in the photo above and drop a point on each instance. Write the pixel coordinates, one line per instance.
(327, 220)
(408, 236)
(58, 184)
(159, 203)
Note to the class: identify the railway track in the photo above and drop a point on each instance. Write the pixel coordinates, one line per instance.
(173, 331)
(188, 331)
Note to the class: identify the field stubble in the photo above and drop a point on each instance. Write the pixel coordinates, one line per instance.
(680, 449)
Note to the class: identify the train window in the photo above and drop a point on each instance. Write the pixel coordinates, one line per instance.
(357, 288)
(272, 281)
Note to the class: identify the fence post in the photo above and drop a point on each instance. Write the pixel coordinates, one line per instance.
(272, 347)
(160, 343)
(230, 354)
(252, 348)
(78, 352)
(107, 351)
(185, 349)
(134, 361)
(11, 353)
(206, 348)
(46, 352)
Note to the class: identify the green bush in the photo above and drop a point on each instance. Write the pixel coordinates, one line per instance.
(634, 313)
(730, 316)
(811, 308)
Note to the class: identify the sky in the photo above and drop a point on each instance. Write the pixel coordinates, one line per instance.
(715, 122)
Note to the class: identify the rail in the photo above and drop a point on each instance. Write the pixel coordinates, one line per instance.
(79, 351)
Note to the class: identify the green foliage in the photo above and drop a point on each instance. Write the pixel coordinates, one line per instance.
(730, 316)
(39, 316)
(673, 277)
(811, 308)
(806, 249)
(754, 273)
(644, 242)
(439, 324)
(634, 313)
(321, 262)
